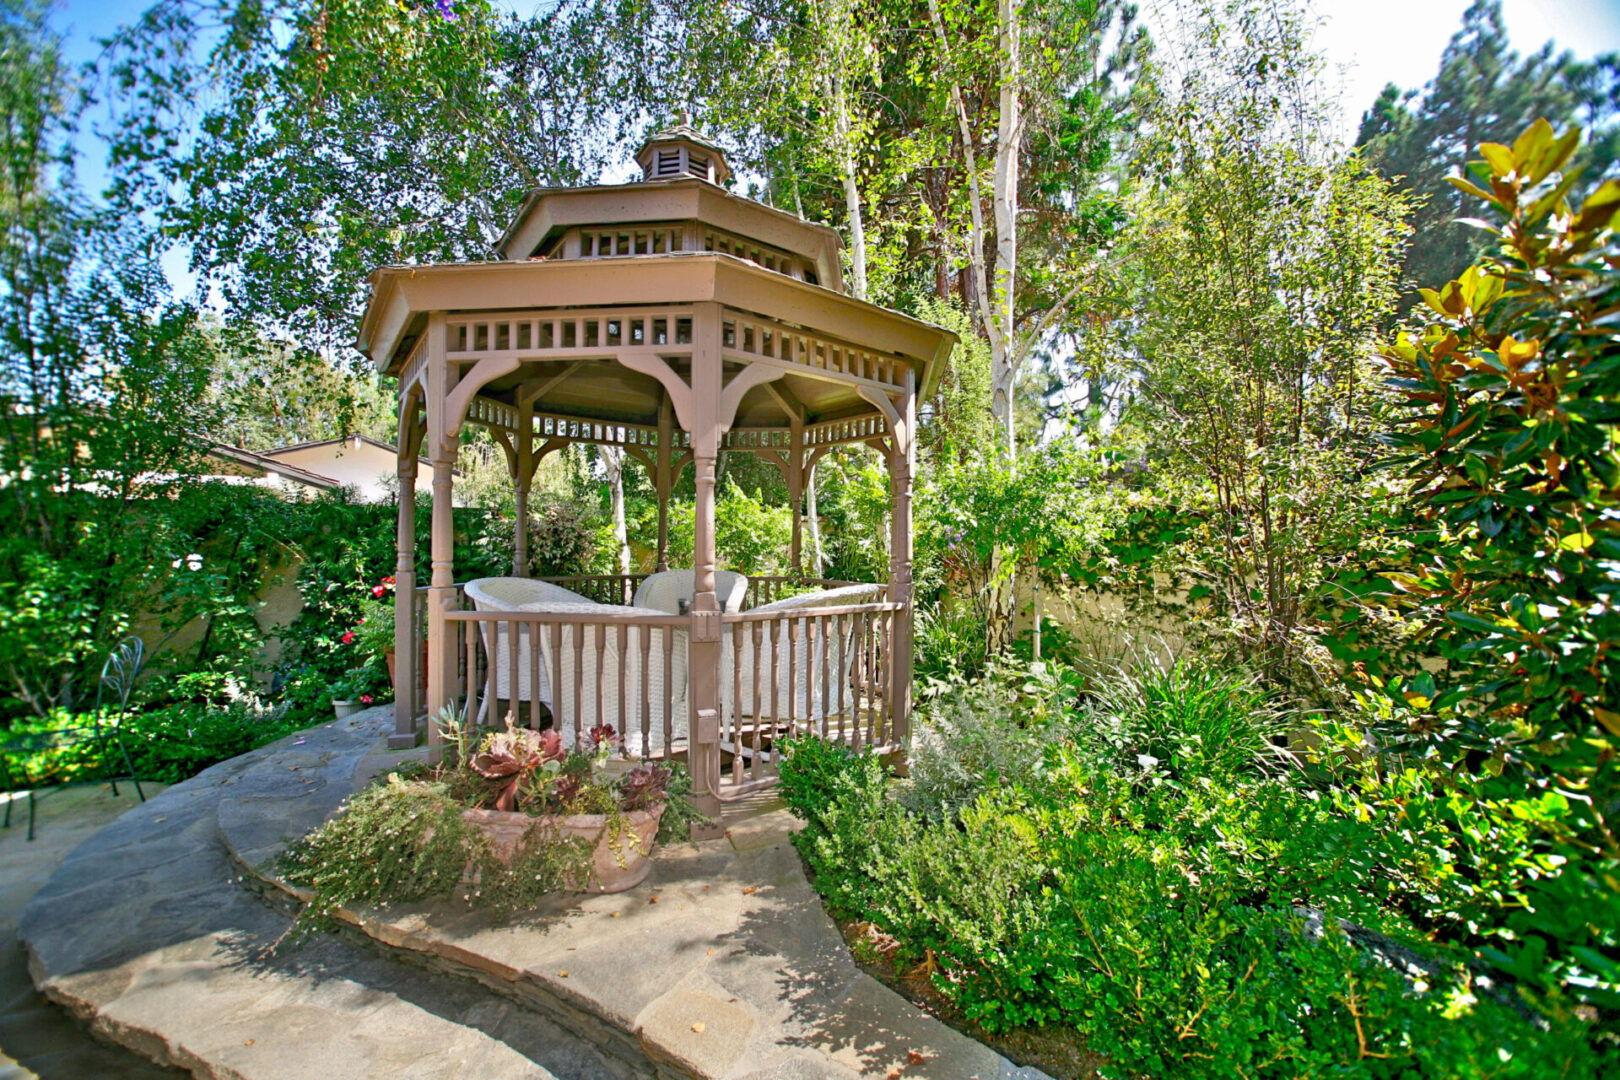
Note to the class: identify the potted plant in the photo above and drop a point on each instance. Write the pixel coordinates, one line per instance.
(355, 691)
(538, 787)
(509, 817)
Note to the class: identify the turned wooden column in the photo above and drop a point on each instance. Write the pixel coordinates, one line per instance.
(522, 476)
(441, 596)
(407, 655)
(795, 486)
(704, 656)
(663, 477)
(902, 466)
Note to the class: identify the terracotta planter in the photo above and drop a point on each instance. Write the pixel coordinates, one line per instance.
(421, 672)
(622, 856)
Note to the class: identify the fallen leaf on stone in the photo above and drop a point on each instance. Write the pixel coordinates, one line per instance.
(894, 1074)
(562, 974)
(914, 1058)
(698, 1027)
(652, 900)
(615, 914)
(750, 890)
(158, 819)
(711, 952)
(247, 1042)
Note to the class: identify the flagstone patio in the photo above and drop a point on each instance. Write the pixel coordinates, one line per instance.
(722, 965)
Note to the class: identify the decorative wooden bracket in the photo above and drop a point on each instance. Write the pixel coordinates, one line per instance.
(680, 394)
(745, 380)
(485, 371)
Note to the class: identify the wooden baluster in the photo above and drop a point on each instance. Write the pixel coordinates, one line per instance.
(818, 651)
(793, 677)
(669, 694)
(533, 634)
(645, 635)
(599, 638)
(577, 631)
(775, 632)
(514, 692)
(856, 674)
(737, 631)
(873, 705)
(557, 710)
(624, 673)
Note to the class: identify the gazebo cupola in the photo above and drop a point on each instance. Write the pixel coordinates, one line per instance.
(673, 320)
(682, 151)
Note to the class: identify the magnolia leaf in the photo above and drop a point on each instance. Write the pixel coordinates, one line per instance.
(1498, 157)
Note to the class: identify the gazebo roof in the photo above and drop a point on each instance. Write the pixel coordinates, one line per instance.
(592, 280)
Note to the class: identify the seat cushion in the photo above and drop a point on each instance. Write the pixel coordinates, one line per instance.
(667, 590)
(844, 596)
(516, 594)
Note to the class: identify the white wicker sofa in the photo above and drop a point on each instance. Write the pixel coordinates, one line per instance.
(600, 669)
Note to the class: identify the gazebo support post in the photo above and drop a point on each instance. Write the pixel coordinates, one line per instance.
(406, 652)
(795, 486)
(521, 478)
(441, 597)
(704, 648)
(663, 478)
(902, 466)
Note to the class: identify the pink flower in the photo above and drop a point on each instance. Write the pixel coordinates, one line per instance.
(348, 637)
(378, 590)
(365, 699)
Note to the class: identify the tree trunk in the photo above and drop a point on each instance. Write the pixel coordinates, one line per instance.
(815, 525)
(613, 463)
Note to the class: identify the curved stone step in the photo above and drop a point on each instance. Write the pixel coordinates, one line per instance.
(146, 934)
(723, 965)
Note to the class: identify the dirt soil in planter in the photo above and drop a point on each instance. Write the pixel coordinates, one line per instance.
(1057, 1051)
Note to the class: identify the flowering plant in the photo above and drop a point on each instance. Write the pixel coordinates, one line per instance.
(534, 774)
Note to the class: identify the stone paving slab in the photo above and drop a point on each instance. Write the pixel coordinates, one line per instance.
(147, 935)
(723, 965)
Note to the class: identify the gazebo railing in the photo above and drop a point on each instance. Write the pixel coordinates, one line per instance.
(806, 671)
(826, 671)
(620, 669)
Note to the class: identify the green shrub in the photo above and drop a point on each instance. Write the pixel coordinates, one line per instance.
(1192, 718)
(167, 744)
(978, 738)
(1214, 920)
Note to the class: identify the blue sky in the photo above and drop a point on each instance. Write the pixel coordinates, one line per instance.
(1368, 42)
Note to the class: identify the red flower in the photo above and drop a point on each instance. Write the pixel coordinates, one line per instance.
(365, 699)
(388, 581)
(348, 637)
(378, 590)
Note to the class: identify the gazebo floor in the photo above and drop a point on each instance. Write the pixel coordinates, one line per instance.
(722, 964)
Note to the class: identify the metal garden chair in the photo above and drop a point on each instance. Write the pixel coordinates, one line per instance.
(24, 764)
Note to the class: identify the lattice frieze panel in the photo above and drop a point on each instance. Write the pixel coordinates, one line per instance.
(553, 426)
(834, 432)
(490, 413)
(757, 439)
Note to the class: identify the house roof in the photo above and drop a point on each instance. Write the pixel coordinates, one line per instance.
(315, 443)
(248, 459)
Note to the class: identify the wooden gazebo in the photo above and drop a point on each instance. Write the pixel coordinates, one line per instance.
(672, 319)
